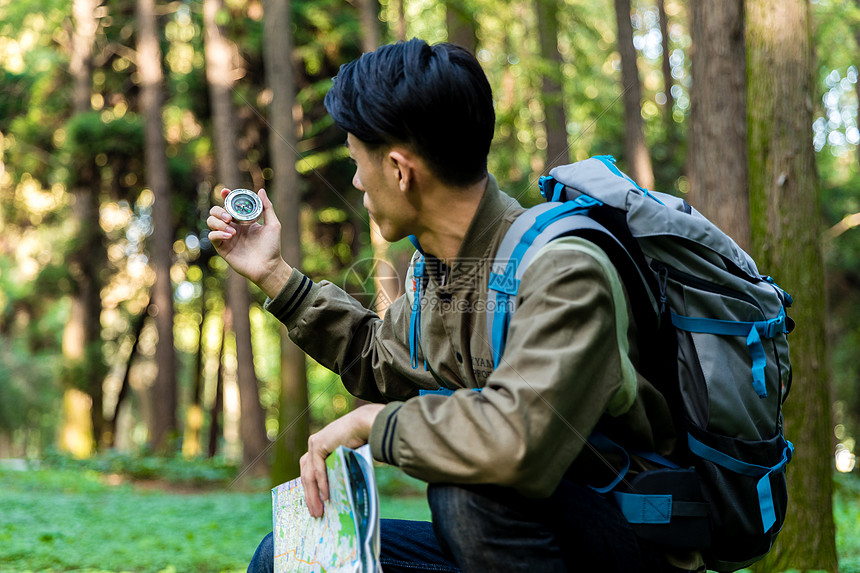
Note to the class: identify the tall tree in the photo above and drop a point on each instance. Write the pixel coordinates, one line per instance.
(635, 149)
(220, 56)
(163, 429)
(460, 20)
(370, 30)
(717, 157)
(552, 95)
(671, 133)
(217, 407)
(855, 27)
(84, 364)
(191, 444)
(786, 239)
(293, 414)
(400, 19)
(112, 422)
(385, 278)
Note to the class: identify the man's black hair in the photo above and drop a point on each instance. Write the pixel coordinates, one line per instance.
(434, 98)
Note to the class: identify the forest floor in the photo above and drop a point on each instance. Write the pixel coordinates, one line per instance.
(54, 520)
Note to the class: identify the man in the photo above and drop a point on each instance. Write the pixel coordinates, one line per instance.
(508, 467)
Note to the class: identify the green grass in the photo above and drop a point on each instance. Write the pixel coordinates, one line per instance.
(846, 512)
(71, 520)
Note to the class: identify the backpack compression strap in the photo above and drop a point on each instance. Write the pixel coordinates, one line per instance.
(753, 331)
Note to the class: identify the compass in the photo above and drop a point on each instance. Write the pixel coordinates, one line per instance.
(244, 206)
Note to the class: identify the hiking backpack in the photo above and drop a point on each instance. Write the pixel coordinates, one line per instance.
(713, 341)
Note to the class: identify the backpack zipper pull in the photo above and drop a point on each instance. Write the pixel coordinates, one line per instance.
(663, 275)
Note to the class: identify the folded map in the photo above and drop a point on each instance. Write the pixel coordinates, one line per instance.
(346, 538)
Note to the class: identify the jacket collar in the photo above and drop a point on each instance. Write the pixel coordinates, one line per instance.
(488, 217)
(494, 211)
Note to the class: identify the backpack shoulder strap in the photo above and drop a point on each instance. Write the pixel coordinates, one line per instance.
(529, 233)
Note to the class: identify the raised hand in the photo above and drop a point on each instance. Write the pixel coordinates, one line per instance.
(254, 251)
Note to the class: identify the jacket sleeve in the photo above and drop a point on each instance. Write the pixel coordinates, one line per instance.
(371, 355)
(565, 363)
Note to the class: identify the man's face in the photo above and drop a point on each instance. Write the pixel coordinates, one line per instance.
(376, 177)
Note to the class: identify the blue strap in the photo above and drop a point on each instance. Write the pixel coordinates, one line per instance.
(605, 445)
(641, 508)
(442, 391)
(655, 458)
(759, 361)
(542, 221)
(500, 326)
(788, 300)
(506, 283)
(765, 495)
(547, 218)
(415, 319)
(609, 161)
(414, 240)
(753, 331)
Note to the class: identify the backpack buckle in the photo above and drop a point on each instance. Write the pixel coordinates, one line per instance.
(774, 326)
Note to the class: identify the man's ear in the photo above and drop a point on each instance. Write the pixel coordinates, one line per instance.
(404, 164)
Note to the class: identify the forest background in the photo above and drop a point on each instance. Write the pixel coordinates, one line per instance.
(122, 331)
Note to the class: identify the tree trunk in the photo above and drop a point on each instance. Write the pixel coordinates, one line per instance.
(370, 32)
(856, 28)
(82, 418)
(293, 419)
(164, 392)
(252, 421)
(461, 25)
(635, 149)
(552, 94)
(385, 277)
(217, 407)
(400, 11)
(219, 53)
(717, 157)
(786, 239)
(191, 444)
(669, 106)
(109, 435)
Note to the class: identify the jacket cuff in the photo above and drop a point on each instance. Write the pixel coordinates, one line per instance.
(384, 435)
(296, 296)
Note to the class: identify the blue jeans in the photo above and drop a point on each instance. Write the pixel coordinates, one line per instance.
(487, 528)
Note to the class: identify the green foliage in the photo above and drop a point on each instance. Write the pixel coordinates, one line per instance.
(28, 386)
(846, 509)
(93, 134)
(836, 136)
(71, 520)
(393, 482)
(174, 469)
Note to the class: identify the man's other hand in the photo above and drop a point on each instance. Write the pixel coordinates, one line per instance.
(351, 430)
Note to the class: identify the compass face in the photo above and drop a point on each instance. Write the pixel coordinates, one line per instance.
(244, 206)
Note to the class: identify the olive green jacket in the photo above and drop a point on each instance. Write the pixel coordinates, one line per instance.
(569, 363)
